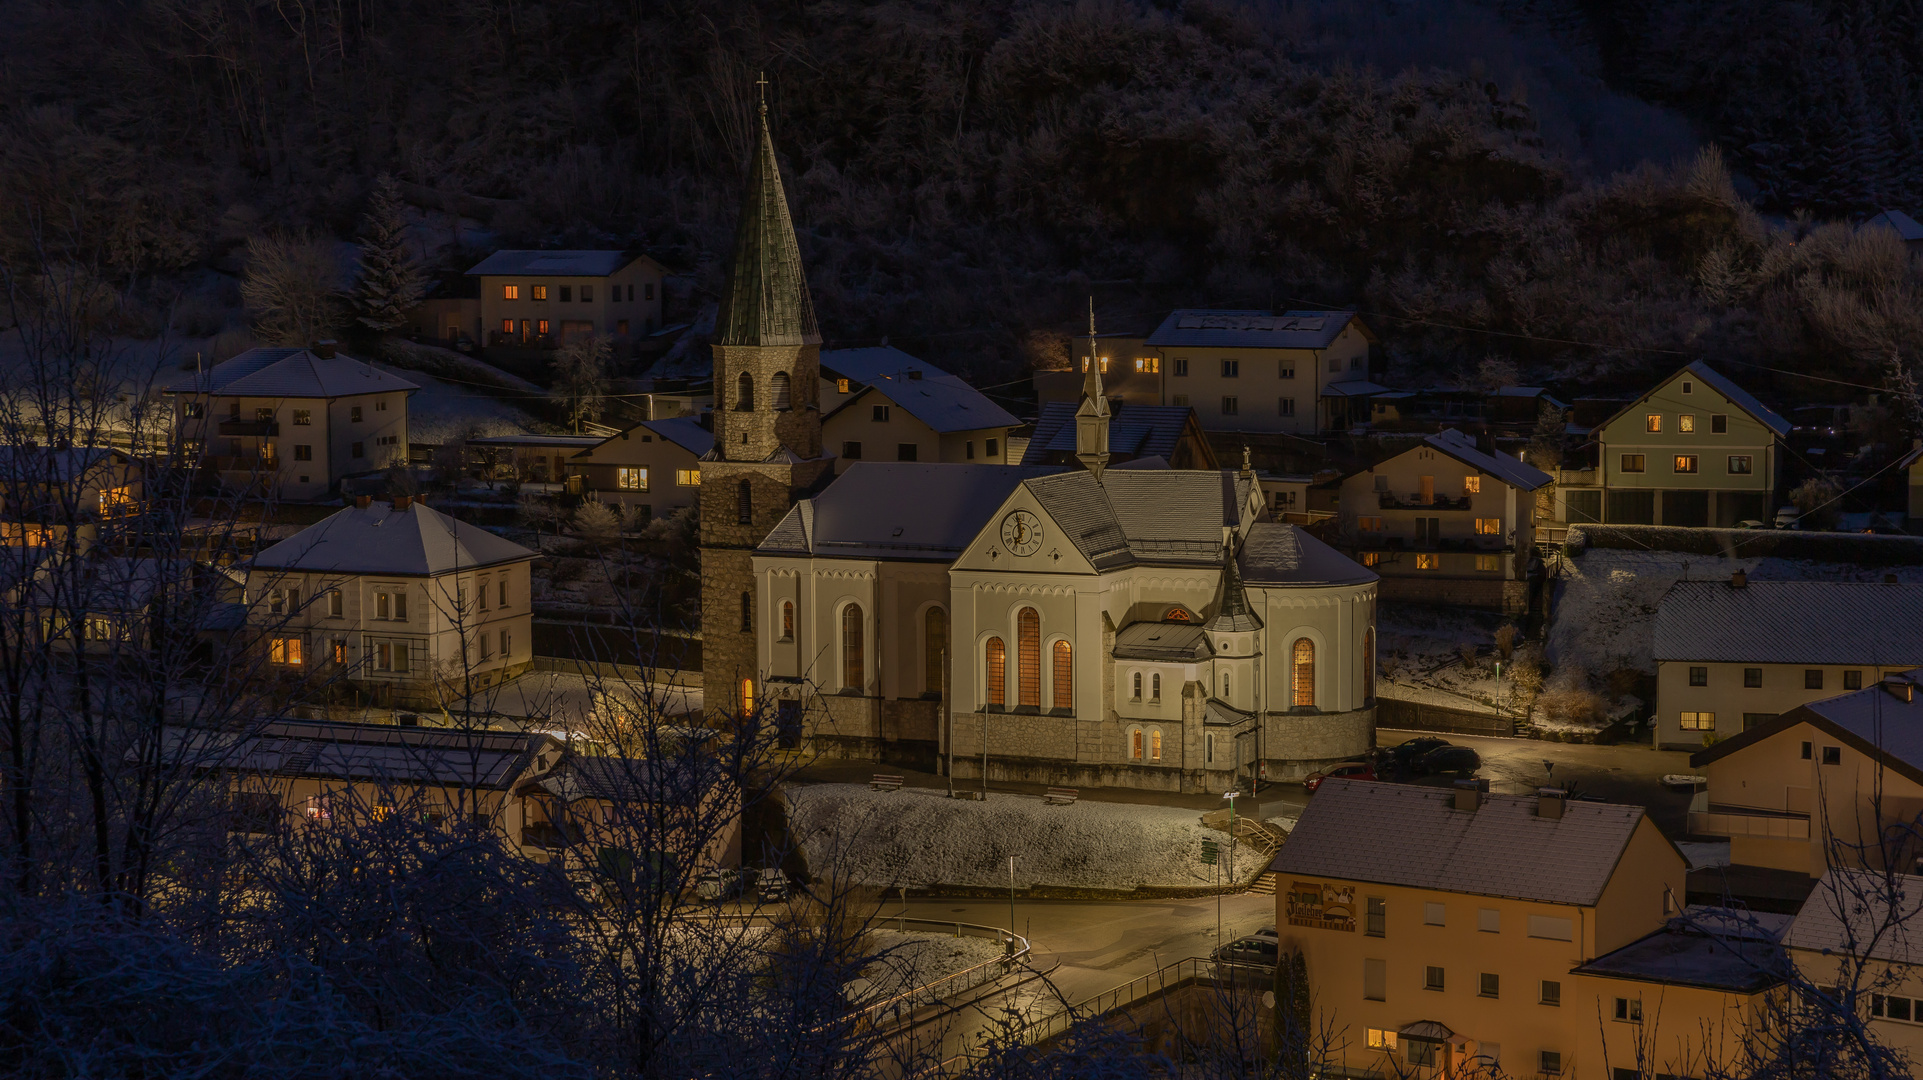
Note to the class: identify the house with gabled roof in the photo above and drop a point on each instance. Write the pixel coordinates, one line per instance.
(292, 423)
(397, 600)
(1300, 372)
(1445, 521)
(1859, 932)
(1734, 654)
(1443, 929)
(652, 468)
(537, 297)
(914, 415)
(1695, 450)
(1823, 779)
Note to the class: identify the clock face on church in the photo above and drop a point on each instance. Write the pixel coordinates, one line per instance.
(1022, 533)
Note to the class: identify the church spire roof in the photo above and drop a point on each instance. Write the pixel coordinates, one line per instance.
(1232, 610)
(1091, 417)
(766, 301)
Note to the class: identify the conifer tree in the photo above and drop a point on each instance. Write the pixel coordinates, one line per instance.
(390, 282)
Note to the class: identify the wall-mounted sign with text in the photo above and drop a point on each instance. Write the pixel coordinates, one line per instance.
(1322, 906)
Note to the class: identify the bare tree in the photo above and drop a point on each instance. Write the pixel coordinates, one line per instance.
(292, 288)
(581, 376)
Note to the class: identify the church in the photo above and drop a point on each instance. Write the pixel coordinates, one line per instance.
(1128, 626)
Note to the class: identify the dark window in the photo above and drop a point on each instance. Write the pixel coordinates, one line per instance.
(1550, 993)
(587, 294)
(353, 413)
(879, 414)
(788, 723)
(747, 613)
(1421, 1053)
(1718, 424)
(745, 502)
(1432, 978)
(303, 453)
(1812, 678)
(744, 394)
(647, 291)
(905, 451)
(359, 450)
(1899, 1009)
(1633, 463)
(1757, 719)
(1285, 406)
(1378, 917)
(1852, 680)
(1806, 749)
(1832, 755)
(969, 449)
(851, 451)
(1741, 465)
(1231, 369)
(1489, 985)
(783, 395)
(1630, 1009)
(1753, 678)
(1181, 365)
(1231, 406)
(1549, 1062)
(991, 447)
(567, 294)
(1699, 676)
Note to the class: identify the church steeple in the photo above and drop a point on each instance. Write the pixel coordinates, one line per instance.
(1232, 610)
(1091, 419)
(766, 301)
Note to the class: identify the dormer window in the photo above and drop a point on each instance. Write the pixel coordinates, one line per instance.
(1176, 615)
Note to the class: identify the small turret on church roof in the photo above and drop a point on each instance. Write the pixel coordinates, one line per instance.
(766, 301)
(1232, 610)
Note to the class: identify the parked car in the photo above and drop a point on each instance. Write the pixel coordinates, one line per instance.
(1253, 951)
(1788, 518)
(1400, 761)
(1348, 770)
(718, 884)
(771, 886)
(1444, 760)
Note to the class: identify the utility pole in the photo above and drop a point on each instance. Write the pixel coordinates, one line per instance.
(985, 764)
(1231, 796)
(1011, 904)
(948, 722)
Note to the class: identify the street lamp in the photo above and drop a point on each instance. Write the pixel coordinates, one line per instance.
(1231, 796)
(1011, 905)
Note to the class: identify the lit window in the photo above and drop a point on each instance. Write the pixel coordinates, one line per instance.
(1369, 524)
(1382, 1039)
(541, 326)
(1428, 560)
(541, 293)
(1302, 679)
(853, 654)
(1371, 558)
(115, 501)
(1063, 669)
(787, 620)
(1155, 744)
(687, 477)
(1148, 365)
(841, 386)
(1686, 424)
(1653, 422)
(1028, 651)
(631, 479)
(996, 655)
(507, 326)
(1135, 744)
(1472, 485)
(285, 650)
(1685, 463)
(1488, 526)
(747, 696)
(1696, 721)
(1488, 563)
(303, 417)
(510, 292)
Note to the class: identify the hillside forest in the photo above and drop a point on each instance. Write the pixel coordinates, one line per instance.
(1576, 192)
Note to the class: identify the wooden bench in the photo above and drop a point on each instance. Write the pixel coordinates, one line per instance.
(884, 782)
(1061, 796)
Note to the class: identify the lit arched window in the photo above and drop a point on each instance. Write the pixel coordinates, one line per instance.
(1028, 657)
(1368, 665)
(787, 620)
(1135, 744)
(781, 393)
(1302, 679)
(1061, 665)
(744, 497)
(747, 613)
(934, 641)
(747, 696)
(744, 393)
(1135, 686)
(1155, 686)
(997, 654)
(1155, 744)
(851, 648)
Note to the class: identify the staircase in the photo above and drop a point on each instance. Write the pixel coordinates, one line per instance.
(1267, 883)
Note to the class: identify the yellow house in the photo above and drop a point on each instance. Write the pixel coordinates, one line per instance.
(1787, 791)
(1855, 933)
(1697, 450)
(653, 468)
(1733, 655)
(675, 816)
(1441, 928)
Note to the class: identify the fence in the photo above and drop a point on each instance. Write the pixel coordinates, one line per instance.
(1417, 716)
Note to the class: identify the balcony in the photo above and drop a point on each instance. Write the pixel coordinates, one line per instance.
(1390, 500)
(1717, 820)
(255, 428)
(545, 834)
(246, 463)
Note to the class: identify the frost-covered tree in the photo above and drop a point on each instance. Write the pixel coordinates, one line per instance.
(390, 282)
(581, 376)
(291, 288)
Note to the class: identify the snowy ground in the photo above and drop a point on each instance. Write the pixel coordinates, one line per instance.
(1419, 655)
(1704, 853)
(918, 837)
(441, 411)
(905, 961)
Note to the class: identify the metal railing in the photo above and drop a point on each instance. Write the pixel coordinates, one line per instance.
(1195, 969)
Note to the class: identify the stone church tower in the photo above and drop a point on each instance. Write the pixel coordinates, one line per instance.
(767, 424)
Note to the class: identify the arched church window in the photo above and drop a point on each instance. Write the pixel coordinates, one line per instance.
(1155, 744)
(997, 657)
(747, 697)
(1028, 654)
(787, 620)
(934, 643)
(745, 502)
(782, 394)
(852, 673)
(744, 393)
(1176, 615)
(1368, 665)
(1302, 677)
(1135, 686)
(1155, 687)
(1225, 686)
(1061, 666)
(1135, 744)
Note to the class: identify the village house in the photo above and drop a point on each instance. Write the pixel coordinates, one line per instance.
(1299, 372)
(1857, 930)
(292, 423)
(528, 459)
(1445, 522)
(1444, 929)
(1696, 450)
(1131, 372)
(534, 297)
(635, 822)
(1819, 783)
(406, 604)
(912, 416)
(45, 492)
(652, 468)
(1732, 655)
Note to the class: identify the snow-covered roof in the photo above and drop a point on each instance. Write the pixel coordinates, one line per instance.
(1161, 516)
(1200, 328)
(1876, 721)
(1133, 430)
(565, 442)
(291, 373)
(1901, 223)
(1680, 954)
(554, 263)
(898, 510)
(1723, 385)
(1167, 642)
(944, 403)
(875, 363)
(1507, 469)
(1353, 388)
(1276, 554)
(1791, 622)
(1395, 834)
(683, 431)
(1881, 921)
(673, 780)
(366, 752)
(377, 539)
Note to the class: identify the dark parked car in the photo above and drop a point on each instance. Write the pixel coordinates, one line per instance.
(1460, 761)
(1262, 952)
(1402, 761)
(1348, 770)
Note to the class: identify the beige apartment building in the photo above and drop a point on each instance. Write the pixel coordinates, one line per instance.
(292, 423)
(1444, 929)
(1444, 522)
(1855, 931)
(408, 605)
(1733, 655)
(1696, 450)
(652, 468)
(532, 296)
(1788, 791)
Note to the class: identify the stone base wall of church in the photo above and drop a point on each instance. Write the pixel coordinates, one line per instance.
(1508, 597)
(1017, 736)
(1297, 744)
(854, 728)
(1091, 775)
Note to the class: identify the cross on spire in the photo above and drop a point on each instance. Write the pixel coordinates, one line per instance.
(761, 91)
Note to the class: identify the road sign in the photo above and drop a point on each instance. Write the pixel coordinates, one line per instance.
(1209, 850)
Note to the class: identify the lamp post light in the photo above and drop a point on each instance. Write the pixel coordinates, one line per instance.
(1011, 905)
(1231, 796)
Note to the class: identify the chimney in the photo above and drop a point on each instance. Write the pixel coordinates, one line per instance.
(1469, 794)
(1889, 579)
(1738, 580)
(1900, 688)
(325, 349)
(1549, 803)
(402, 502)
(361, 502)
